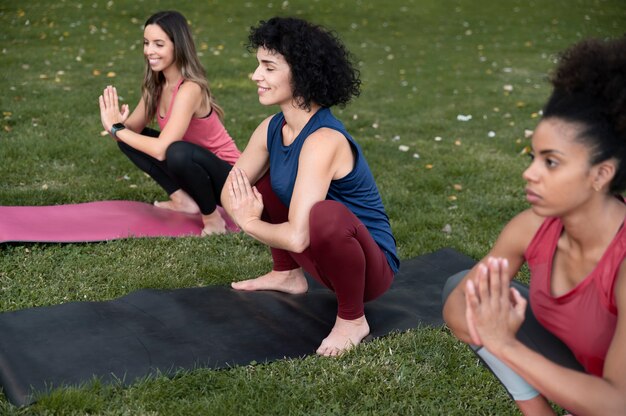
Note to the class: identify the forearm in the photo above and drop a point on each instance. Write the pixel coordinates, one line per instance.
(283, 236)
(578, 392)
(154, 147)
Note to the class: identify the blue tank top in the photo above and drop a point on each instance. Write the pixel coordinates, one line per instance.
(357, 190)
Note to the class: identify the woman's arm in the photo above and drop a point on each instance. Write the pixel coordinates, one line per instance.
(326, 155)
(496, 321)
(254, 161)
(138, 118)
(188, 101)
(511, 245)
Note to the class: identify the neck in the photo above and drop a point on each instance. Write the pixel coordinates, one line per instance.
(595, 224)
(296, 117)
(172, 75)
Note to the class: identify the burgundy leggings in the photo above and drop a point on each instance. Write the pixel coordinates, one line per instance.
(342, 255)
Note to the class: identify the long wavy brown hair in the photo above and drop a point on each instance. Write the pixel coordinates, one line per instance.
(186, 59)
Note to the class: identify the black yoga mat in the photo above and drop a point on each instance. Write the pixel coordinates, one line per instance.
(162, 331)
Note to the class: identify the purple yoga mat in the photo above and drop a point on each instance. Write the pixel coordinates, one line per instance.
(97, 221)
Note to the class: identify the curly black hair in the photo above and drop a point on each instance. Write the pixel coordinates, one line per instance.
(321, 66)
(590, 89)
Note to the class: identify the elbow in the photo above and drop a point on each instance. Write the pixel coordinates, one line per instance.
(299, 242)
(160, 153)
(454, 317)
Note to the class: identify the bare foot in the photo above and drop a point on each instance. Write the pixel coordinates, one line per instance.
(179, 201)
(344, 335)
(289, 281)
(213, 224)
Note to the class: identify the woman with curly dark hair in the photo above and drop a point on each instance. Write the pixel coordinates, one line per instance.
(315, 201)
(571, 347)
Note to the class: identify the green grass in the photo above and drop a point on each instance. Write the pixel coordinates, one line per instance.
(422, 63)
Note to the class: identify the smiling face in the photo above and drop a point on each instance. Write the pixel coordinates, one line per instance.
(158, 48)
(273, 78)
(560, 177)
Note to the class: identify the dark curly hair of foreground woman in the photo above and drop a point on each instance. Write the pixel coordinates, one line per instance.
(321, 66)
(590, 89)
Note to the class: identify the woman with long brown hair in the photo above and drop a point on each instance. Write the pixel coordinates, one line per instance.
(191, 156)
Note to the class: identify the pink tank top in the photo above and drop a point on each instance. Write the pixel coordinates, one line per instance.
(207, 132)
(585, 317)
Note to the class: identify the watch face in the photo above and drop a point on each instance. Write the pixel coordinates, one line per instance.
(119, 126)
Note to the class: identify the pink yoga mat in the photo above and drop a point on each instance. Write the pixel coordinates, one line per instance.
(97, 221)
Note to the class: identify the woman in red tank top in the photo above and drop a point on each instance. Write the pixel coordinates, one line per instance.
(192, 155)
(574, 242)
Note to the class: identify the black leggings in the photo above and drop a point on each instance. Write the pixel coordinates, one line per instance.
(187, 166)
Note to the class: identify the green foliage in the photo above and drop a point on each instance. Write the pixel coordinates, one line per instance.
(423, 63)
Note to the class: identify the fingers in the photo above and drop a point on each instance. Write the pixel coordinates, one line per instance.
(242, 182)
(239, 185)
(125, 112)
(483, 281)
(257, 195)
(472, 303)
(110, 97)
(233, 188)
(519, 302)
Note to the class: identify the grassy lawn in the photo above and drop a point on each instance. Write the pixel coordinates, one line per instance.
(423, 64)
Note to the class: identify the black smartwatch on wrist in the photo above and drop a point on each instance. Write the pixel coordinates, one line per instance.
(115, 128)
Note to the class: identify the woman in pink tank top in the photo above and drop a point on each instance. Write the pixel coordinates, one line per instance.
(574, 241)
(192, 154)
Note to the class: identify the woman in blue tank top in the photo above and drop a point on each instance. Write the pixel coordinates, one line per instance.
(315, 202)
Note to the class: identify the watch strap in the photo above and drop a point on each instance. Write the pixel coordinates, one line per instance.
(115, 128)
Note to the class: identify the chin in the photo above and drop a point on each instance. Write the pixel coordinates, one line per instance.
(545, 212)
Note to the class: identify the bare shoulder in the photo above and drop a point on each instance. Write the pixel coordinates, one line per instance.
(190, 87)
(526, 220)
(330, 153)
(260, 133)
(191, 92)
(258, 139)
(326, 139)
(517, 235)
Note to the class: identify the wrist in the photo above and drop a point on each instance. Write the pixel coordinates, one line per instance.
(503, 348)
(115, 128)
(249, 225)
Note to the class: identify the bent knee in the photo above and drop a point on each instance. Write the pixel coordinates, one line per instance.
(454, 307)
(178, 154)
(324, 218)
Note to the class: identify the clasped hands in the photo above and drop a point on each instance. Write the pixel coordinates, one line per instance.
(246, 202)
(494, 311)
(110, 110)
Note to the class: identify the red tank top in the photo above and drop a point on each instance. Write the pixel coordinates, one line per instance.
(207, 132)
(585, 317)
